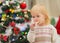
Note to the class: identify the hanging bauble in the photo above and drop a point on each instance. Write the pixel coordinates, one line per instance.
(22, 33)
(23, 5)
(11, 10)
(14, 15)
(5, 38)
(12, 23)
(13, 38)
(7, 11)
(3, 17)
(16, 30)
(7, 2)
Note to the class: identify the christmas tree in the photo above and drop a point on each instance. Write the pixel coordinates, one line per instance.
(14, 22)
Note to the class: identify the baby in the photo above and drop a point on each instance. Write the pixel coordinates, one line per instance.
(41, 31)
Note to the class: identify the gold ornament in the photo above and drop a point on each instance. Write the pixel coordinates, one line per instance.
(3, 18)
(26, 15)
(25, 32)
(12, 10)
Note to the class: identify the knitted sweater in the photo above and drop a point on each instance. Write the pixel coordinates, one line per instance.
(42, 34)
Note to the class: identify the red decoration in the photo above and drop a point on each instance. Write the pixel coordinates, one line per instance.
(7, 11)
(12, 23)
(23, 5)
(58, 26)
(5, 38)
(20, 16)
(1, 36)
(16, 30)
(27, 20)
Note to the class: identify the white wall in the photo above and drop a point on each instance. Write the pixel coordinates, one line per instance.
(53, 6)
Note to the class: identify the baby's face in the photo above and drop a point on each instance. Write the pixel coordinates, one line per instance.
(38, 17)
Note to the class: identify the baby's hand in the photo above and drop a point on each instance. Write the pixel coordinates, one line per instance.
(32, 26)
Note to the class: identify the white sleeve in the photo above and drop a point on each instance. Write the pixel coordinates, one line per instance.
(54, 35)
(31, 36)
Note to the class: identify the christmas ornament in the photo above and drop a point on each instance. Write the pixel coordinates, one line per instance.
(14, 15)
(12, 23)
(23, 5)
(7, 3)
(12, 10)
(7, 11)
(3, 17)
(13, 38)
(16, 30)
(5, 38)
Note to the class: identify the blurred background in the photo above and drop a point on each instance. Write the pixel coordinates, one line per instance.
(52, 6)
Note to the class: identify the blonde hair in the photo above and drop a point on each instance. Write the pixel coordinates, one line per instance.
(41, 9)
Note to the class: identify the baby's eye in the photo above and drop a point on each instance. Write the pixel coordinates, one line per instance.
(38, 16)
(33, 16)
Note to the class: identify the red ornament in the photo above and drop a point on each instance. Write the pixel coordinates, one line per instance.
(27, 20)
(23, 5)
(1, 36)
(5, 38)
(20, 16)
(7, 11)
(16, 30)
(12, 23)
